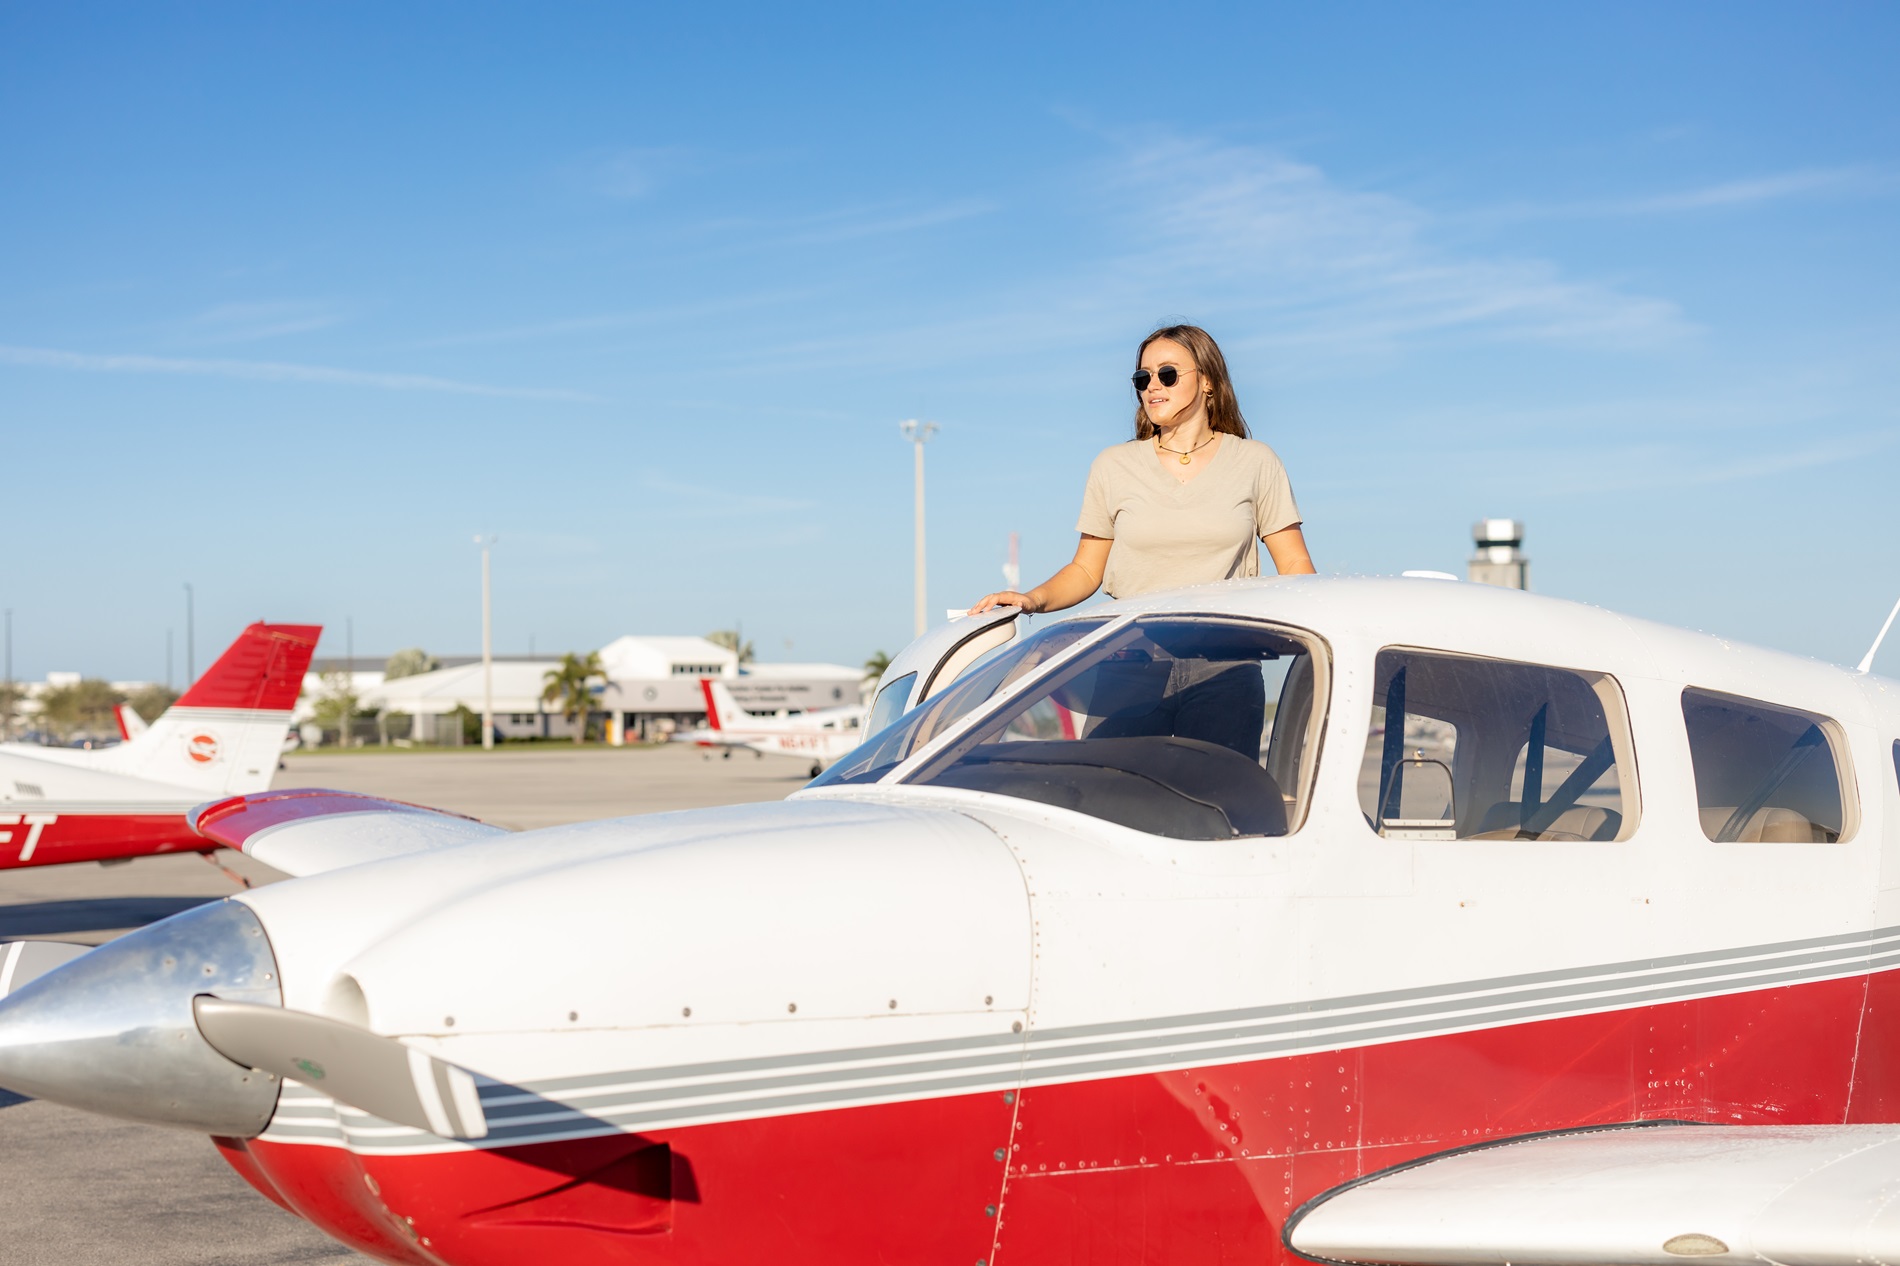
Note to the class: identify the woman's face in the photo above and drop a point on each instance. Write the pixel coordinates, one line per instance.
(1170, 406)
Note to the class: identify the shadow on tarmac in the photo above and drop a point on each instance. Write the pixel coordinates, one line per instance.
(54, 918)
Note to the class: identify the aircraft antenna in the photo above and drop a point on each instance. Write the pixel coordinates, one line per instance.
(1867, 660)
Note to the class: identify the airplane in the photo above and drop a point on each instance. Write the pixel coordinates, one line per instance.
(130, 723)
(221, 738)
(1353, 920)
(823, 734)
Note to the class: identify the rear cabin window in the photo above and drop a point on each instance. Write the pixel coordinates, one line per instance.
(1763, 774)
(1463, 748)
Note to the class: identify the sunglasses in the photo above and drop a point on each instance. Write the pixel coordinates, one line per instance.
(1168, 375)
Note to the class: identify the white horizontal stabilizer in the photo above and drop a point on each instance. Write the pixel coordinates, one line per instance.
(309, 831)
(1819, 1195)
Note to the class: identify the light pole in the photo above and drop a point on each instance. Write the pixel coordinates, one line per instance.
(191, 655)
(918, 433)
(6, 718)
(488, 651)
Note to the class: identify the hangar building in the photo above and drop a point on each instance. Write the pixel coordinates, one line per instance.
(652, 688)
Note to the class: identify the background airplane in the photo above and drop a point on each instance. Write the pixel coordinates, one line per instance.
(824, 734)
(221, 738)
(131, 724)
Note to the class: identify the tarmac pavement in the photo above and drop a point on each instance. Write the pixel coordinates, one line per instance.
(83, 1190)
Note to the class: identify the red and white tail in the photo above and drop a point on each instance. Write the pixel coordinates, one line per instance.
(224, 734)
(722, 710)
(131, 724)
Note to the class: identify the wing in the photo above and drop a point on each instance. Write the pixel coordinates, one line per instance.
(1821, 1195)
(309, 831)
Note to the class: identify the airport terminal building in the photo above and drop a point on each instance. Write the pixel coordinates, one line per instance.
(652, 689)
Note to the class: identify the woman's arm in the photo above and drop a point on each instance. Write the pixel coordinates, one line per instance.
(1288, 548)
(1076, 582)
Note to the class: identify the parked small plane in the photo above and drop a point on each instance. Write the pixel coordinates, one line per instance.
(823, 734)
(1383, 921)
(221, 738)
(131, 724)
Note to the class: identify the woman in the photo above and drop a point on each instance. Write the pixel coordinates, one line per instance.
(1183, 502)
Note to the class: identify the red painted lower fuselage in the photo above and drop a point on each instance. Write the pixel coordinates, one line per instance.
(1186, 1166)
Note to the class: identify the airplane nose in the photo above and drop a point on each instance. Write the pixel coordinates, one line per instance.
(113, 1030)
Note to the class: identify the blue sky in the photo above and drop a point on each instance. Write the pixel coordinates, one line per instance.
(298, 300)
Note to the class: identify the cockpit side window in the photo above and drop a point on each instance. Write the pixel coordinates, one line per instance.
(890, 703)
(1465, 748)
(1763, 773)
(1196, 728)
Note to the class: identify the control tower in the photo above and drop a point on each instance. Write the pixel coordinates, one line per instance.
(1499, 556)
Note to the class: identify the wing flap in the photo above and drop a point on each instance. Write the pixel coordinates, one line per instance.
(308, 831)
(1823, 1195)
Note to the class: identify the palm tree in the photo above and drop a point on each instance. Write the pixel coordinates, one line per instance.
(874, 667)
(569, 686)
(728, 639)
(409, 662)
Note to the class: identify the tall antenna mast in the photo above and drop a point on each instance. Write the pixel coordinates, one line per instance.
(1867, 660)
(918, 433)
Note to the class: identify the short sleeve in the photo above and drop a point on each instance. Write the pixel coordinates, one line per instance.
(1273, 506)
(1096, 518)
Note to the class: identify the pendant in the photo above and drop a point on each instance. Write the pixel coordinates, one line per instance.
(1186, 458)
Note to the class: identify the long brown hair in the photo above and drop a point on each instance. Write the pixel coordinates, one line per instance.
(1223, 410)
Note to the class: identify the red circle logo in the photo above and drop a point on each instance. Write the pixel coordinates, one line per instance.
(202, 748)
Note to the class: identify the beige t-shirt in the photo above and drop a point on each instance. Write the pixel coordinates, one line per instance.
(1168, 533)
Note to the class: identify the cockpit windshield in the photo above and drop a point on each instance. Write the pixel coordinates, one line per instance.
(1186, 727)
(883, 751)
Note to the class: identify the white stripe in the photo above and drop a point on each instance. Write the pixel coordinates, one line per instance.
(422, 1073)
(8, 964)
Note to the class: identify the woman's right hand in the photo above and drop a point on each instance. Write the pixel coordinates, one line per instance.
(1007, 598)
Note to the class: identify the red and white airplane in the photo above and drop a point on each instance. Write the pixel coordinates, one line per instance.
(221, 738)
(1360, 920)
(824, 735)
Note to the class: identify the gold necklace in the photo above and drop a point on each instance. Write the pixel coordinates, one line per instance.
(1188, 455)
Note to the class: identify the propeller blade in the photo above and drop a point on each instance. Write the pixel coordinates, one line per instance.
(21, 961)
(380, 1075)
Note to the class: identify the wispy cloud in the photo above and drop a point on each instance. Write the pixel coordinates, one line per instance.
(1287, 260)
(1752, 191)
(636, 172)
(253, 322)
(722, 501)
(597, 322)
(840, 224)
(267, 371)
(878, 221)
(1327, 266)
(1598, 471)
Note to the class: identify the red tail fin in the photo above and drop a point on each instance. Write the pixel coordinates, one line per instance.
(712, 704)
(262, 670)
